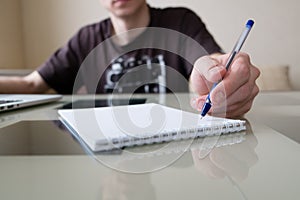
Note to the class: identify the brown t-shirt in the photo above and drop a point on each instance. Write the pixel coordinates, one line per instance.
(163, 54)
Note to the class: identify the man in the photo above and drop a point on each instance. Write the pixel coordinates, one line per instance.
(64, 71)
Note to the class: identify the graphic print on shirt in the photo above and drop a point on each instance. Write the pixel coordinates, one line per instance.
(134, 74)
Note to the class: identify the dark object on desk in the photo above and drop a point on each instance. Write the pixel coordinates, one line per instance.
(103, 103)
(37, 138)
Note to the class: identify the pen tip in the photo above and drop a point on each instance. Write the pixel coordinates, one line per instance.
(205, 109)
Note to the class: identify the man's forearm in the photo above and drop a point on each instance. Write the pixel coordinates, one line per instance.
(30, 84)
(14, 85)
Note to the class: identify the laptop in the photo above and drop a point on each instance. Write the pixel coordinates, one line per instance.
(15, 101)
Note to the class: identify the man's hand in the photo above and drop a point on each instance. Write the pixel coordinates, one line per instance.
(234, 95)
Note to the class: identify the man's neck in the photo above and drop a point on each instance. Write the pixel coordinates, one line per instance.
(121, 25)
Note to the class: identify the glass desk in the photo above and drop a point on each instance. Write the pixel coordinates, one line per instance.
(39, 159)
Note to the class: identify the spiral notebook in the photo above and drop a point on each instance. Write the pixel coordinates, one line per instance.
(115, 127)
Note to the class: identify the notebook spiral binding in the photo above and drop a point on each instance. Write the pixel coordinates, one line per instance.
(176, 135)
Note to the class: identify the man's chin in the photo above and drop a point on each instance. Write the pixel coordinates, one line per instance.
(123, 13)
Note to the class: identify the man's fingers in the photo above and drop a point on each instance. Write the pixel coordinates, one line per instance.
(206, 71)
(237, 76)
(247, 91)
(210, 68)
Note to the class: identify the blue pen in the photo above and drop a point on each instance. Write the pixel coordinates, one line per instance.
(207, 105)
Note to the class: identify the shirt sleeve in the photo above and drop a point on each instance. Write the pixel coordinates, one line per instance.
(194, 27)
(60, 70)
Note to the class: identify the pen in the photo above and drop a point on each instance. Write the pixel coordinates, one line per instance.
(207, 105)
